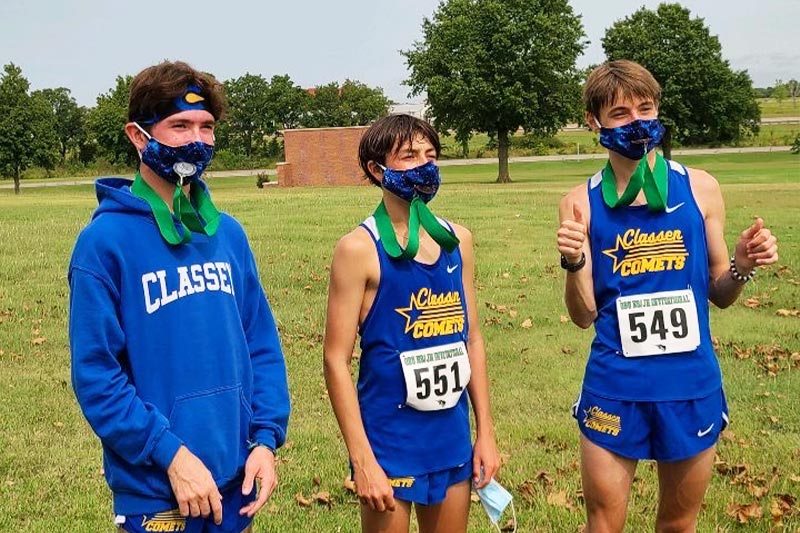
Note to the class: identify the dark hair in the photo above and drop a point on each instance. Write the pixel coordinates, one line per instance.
(154, 90)
(618, 79)
(387, 135)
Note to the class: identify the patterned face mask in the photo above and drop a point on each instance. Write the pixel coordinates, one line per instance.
(422, 181)
(162, 159)
(633, 140)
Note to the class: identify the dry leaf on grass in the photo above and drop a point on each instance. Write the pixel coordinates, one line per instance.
(743, 513)
(527, 323)
(301, 500)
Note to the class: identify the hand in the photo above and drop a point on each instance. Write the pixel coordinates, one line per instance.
(757, 246)
(485, 461)
(572, 236)
(372, 487)
(194, 487)
(260, 465)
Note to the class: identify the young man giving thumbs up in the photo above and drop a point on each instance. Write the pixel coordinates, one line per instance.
(642, 243)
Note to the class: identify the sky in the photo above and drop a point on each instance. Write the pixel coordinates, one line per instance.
(85, 44)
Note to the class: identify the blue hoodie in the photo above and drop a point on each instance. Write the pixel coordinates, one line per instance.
(170, 345)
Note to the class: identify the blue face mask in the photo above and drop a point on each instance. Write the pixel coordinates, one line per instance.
(495, 499)
(422, 181)
(633, 140)
(162, 159)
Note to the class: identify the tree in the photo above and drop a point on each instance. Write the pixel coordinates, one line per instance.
(703, 100)
(286, 103)
(66, 116)
(107, 120)
(496, 66)
(26, 131)
(248, 122)
(350, 104)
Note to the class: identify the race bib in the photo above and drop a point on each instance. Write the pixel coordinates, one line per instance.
(658, 323)
(435, 377)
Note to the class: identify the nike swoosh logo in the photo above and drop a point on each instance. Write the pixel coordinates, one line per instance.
(452, 269)
(704, 433)
(669, 209)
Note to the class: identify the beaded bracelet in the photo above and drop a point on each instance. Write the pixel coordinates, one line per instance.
(737, 276)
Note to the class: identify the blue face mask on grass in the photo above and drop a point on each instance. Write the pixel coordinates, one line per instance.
(422, 181)
(633, 140)
(495, 499)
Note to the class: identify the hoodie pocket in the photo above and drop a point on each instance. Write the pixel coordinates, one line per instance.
(214, 425)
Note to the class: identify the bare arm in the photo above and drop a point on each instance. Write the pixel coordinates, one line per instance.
(485, 454)
(756, 245)
(352, 259)
(573, 214)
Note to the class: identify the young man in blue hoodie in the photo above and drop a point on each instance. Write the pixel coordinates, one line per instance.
(176, 361)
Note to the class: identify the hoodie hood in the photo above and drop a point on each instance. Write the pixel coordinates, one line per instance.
(114, 196)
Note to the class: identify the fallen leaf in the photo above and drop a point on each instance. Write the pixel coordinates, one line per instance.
(322, 497)
(752, 302)
(788, 312)
(317, 481)
(559, 499)
(301, 500)
(506, 275)
(38, 341)
(527, 323)
(474, 498)
(743, 513)
(566, 350)
(509, 526)
(564, 319)
(349, 485)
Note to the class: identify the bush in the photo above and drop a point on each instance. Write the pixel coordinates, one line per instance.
(796, 145)
(261, 179)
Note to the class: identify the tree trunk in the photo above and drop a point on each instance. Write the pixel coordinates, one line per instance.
(16, 180)
(666, 144)
(502, 157)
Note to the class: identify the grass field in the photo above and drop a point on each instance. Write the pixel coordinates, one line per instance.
(771, 107)
(50, 461)
(583, 141)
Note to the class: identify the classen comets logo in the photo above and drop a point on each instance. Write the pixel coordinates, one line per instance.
(637, 252)
(430, 314)
(598, 420)
(166, 521)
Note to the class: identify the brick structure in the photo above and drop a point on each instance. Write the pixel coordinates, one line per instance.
(321, 156)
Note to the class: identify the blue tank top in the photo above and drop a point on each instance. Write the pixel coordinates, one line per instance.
(416, 306)
(639, 252)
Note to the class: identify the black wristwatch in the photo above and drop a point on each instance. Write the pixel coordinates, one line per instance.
(573, 267)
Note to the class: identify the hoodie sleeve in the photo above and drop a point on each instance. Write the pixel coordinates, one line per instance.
(131, 428)
(270, 388)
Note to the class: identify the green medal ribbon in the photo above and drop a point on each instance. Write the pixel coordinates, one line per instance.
(419, 213)
(207, 222)
(653, 182)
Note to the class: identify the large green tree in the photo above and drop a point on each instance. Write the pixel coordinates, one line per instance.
(26, 127)
(350, 104)
(703, 100)
(248, 121)
(496, 66)
(67, 118)
(107, 120)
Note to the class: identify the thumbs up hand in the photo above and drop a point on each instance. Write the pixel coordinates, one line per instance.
(757, 246)
(571, 235)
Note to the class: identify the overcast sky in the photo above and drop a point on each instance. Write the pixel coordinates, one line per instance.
(84, 44)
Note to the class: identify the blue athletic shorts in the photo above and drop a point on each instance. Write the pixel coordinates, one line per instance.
(171, 520)
(663, 431)
(428, 489)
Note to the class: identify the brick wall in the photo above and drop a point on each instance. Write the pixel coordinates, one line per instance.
(321, 156)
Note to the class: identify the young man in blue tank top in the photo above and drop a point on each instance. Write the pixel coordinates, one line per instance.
(644, 251)
(403, 282)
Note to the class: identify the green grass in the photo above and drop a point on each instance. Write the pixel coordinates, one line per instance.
(583, 141)
(50, 461)
(771, 107)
